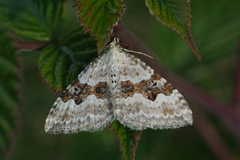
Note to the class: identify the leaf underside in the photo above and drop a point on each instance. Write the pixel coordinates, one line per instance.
(176, 15)
(99, 17)
(61, 62)
(33, 19)
(128, 139)
(9, 91)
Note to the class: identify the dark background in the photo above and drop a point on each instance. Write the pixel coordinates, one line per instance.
(215, 28)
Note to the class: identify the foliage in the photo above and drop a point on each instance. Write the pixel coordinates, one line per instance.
(9, 91)
(63, 54)
(99, 16)
(34, 19)
(175, 14)
(62, 61)
(128, 139)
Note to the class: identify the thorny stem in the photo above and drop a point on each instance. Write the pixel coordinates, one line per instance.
(194, 93)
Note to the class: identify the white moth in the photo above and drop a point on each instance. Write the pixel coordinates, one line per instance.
(118, 86)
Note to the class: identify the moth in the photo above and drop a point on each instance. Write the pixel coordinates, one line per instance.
(118, 86)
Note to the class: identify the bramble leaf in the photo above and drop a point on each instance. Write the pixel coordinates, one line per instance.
(62, 61)
(176, 15)
(9, 91)
(35, 19)
(128, 139)
(99, 17)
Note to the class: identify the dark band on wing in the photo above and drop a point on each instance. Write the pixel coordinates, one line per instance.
(148, 88)
(79, 92)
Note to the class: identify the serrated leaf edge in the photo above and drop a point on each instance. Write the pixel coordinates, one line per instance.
(47, 82)
(189, 42)
(93, 34)
(137, 138)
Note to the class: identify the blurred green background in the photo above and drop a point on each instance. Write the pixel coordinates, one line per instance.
(215, 28)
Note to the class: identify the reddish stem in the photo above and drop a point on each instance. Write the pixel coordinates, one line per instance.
(30, 46)
(211, 136)
(236, 100)
(192, 92)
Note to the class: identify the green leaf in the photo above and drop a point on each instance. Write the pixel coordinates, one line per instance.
(128, 139)
(99, 17)
(35, 19)
(176, 15)
(62, 61)
(9, 90)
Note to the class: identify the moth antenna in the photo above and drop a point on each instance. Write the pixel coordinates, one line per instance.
(138, 53)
